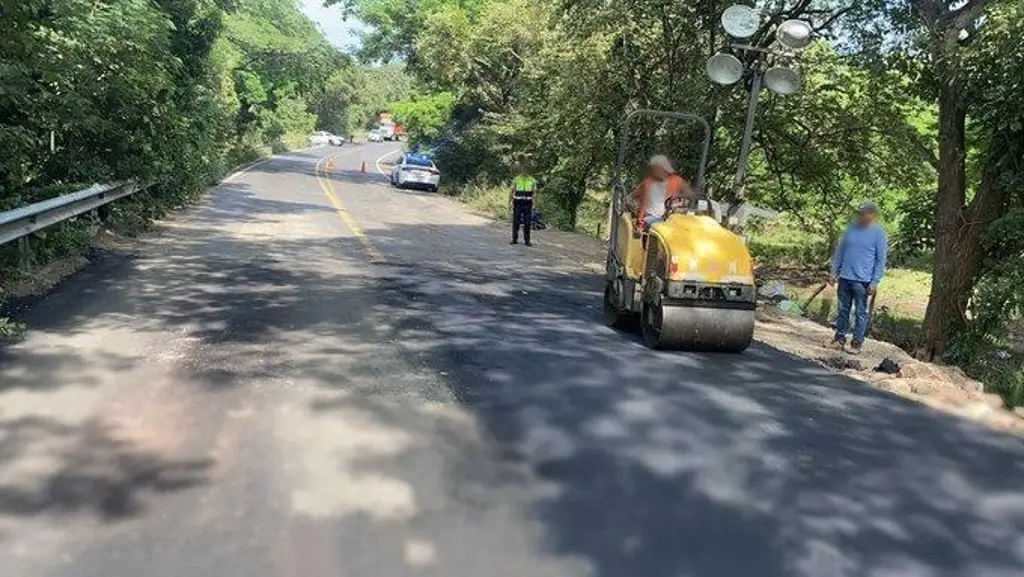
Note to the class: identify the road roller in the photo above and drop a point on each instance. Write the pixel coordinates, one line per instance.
(688, 281)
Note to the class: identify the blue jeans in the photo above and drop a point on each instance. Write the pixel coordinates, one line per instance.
(651, 219)
(852, 294)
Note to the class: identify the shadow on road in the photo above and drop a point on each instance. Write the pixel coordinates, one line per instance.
(83, 469)
(635, 462)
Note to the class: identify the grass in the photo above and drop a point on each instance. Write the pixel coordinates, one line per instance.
(10, 331)
(289, 142)
(903, 292)
(492, 201)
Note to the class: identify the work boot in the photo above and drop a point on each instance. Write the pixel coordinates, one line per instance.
(854, 349)
(836, 345)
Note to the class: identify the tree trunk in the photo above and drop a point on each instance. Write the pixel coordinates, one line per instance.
(958, 228)
(574, 197)
(955, 265)
(959, 255)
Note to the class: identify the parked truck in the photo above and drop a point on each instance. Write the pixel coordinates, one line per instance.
(388, 128)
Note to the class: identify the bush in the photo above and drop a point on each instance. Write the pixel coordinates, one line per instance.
(592, 214)
(984, 357)
(489, 200)
(784, 244)
(892, 327)
(1004, 378)
(10, 330)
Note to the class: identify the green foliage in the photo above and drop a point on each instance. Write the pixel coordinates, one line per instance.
(787, 244)
(168, 92)
(10, 330)
(845, 138)
(423, 116)
(374, 89)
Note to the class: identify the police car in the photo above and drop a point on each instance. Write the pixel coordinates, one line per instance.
(414, 171)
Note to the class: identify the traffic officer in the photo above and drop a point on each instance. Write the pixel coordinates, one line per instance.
(524, 188)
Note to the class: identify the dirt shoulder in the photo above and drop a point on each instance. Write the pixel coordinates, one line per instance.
(941, 387)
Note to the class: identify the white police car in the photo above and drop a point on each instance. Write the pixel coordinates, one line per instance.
(412, 171)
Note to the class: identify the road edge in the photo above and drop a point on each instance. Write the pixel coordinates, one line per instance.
(103, 243)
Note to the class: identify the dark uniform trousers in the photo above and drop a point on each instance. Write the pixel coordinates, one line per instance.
(522, 215)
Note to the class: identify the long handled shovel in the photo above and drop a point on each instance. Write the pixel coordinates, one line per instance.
(807, 305)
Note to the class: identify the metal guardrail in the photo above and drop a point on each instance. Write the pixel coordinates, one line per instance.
(21, 222)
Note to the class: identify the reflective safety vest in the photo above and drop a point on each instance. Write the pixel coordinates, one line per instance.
(523, 187)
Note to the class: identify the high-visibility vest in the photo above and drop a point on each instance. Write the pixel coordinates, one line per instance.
(523, 187)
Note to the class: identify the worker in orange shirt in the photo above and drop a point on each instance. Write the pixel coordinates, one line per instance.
(661, 190)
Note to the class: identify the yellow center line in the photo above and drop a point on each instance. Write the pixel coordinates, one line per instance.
(343, 212)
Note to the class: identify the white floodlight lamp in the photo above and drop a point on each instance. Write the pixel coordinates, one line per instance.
(794, 34)
(724, 68)
(782, 80)
(740, 21)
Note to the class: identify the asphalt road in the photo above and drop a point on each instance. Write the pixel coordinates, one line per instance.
(287, 384)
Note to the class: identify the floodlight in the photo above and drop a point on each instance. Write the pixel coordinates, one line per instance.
(724, 68)
(782, 80)
(740, 21)
(794, 34)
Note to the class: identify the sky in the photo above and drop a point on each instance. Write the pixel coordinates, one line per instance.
(339, 32)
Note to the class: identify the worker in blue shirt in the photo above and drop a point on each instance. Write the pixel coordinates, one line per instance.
(858, 266)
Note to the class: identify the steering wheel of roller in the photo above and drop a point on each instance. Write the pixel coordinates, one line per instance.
(680, 205)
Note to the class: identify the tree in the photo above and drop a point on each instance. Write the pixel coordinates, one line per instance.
(960, 219)
(423, 116)
(846, 137)
(169, 92)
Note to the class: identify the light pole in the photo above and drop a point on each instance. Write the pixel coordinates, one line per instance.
(740, 23)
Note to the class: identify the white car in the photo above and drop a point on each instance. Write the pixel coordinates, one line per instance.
(415, 172)
(375, 136)
(325, 139)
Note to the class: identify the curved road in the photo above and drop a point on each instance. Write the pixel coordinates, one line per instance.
(315, 376)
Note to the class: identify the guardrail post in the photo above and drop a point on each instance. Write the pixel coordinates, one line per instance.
(24, 253)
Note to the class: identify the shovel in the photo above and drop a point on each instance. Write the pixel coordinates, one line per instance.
(807, 305)
(871, 313)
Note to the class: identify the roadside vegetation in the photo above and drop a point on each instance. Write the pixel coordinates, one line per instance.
(169, 92)
(915, 105)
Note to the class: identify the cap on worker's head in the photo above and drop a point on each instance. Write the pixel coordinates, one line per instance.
(662, 161)
(867, 208)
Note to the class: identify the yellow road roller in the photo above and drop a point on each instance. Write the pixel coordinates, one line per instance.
(689, 279)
